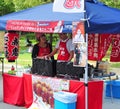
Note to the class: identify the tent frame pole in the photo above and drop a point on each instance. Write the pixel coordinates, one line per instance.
(86, 75)
(86, 68)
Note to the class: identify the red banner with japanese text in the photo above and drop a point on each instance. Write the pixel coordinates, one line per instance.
(115, 52)
(11, 46)
(35, 26)
(98, 45)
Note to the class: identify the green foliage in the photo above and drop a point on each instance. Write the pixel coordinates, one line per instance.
(24, 4)
(19, 4)
(112, 3)
(115, 65)
(11, 72)
(6, 7)
(23, 43)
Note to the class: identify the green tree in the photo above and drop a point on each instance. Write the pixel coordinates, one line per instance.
(112, 3)
(24, 4)
(6, 7)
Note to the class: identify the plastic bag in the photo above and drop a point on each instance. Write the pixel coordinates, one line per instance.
(65, 97)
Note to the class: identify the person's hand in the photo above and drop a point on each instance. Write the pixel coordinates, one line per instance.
(40, 57)
(69, 62)
(47, 57)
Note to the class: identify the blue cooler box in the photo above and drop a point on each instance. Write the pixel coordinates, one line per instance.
(115, 86)
(64, 100)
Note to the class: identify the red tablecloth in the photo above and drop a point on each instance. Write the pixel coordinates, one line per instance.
(18, 91)
(28, 93)
(95, 94)
(13, 90)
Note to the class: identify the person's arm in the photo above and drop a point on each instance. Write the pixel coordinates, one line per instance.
(35, 51)
(70, 47)
(71, 55)
(52, 53)
(52, 57)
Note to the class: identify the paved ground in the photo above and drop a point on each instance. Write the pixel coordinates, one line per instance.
(108, 103)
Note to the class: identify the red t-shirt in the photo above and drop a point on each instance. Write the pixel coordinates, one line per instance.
(44, 51)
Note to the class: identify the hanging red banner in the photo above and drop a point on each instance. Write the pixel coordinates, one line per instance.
(115, 53)
(93, 48)
(11, 46)
(98, 45)
(35, 26)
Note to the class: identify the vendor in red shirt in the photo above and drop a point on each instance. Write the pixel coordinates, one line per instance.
(64, 48)
(42, 48)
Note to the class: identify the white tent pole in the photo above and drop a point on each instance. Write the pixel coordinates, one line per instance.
(86, 68)
(86, 75)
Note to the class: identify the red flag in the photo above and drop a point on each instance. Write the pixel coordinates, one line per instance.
(98, 45)
(115, 53)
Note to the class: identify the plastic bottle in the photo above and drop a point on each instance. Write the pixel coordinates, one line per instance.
(12, 68)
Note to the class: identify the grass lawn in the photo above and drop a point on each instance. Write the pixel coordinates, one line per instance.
(24, 59)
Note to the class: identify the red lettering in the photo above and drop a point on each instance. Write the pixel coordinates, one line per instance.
(72, 4)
